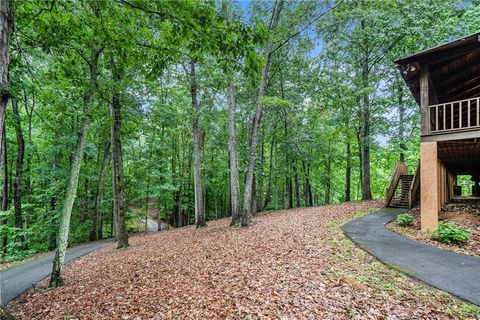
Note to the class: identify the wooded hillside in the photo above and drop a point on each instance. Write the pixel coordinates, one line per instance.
(203, 109)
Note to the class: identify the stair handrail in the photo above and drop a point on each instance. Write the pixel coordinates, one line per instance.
(400, 169)
(414, 188)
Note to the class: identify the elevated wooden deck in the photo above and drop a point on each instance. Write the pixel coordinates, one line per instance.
(453, 120)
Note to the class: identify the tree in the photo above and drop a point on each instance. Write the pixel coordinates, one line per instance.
(6, 29)
(97, 225)
(17, 194)
(118, 180)
(197, 176)
(248, 196)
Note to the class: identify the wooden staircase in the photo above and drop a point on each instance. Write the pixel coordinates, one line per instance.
(401, 195)
(404, 189)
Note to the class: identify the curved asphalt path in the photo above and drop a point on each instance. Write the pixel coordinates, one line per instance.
(18, 279)
(455, 273)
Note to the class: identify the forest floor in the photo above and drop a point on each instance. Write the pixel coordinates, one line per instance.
(292, 264)
(463, 213)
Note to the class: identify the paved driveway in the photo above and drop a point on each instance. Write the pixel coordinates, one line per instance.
(452, 272)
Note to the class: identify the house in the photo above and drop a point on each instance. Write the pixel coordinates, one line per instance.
(445, 82)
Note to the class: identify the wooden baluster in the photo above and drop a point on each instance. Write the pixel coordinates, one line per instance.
(478, 112)
(452, 116)
(444, 125)
(436, 118)
(460, 118)
(468, 117)
(430, 120)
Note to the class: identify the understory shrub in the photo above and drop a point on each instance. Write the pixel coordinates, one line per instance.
(450, 233)
(404, 219)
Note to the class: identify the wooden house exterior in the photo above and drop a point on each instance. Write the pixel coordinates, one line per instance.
(445, 82)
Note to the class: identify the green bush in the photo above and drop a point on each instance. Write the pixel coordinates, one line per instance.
(404, 219)
(450, 233)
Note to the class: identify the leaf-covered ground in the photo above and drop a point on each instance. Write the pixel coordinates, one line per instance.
(292, 264)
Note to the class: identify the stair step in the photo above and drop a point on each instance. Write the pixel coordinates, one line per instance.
(401, 198)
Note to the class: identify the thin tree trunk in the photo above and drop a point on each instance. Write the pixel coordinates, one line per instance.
(147, 199)
(28, 169)
(360, 171)
(118, 179)
(52, 243)
(232, 148)
(288, 179)
(348, 170)
(159, 199)
(17, 193)
(247, 205)
(96, 232)
(259, 191)
(10, 177)
(297, 185)
(268, 195)
(5, 199)
(328, 172)
(253, 209)
(365, 129)
(308, 186)
(197, 175)
(56, 279)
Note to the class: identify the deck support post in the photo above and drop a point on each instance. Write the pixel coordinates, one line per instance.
(425, 99)
(430, 185)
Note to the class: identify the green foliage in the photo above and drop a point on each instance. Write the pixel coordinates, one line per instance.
(450, 233)
(404, 219)
(312, 108)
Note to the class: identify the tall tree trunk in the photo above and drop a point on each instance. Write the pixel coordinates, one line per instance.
(297, 185)
(97, 232)
(288, 191)
(56, 279)
(28, 169)
(328, 187)
(348, 170)
(118, 179)
(259, 190)
(308, 186)
(62, 235)
(234, 186)
(365, 128)
(147, 199)
(52, 242)
(197, 175)
(174, 219)
(247, 204)
(17, 188)
(232, 149)
(288, 178)
(6, 29)
(5, 199)
(253, 209)
(359, 155)
(268, 195)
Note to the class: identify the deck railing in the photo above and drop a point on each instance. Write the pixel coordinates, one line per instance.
(454, 116)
